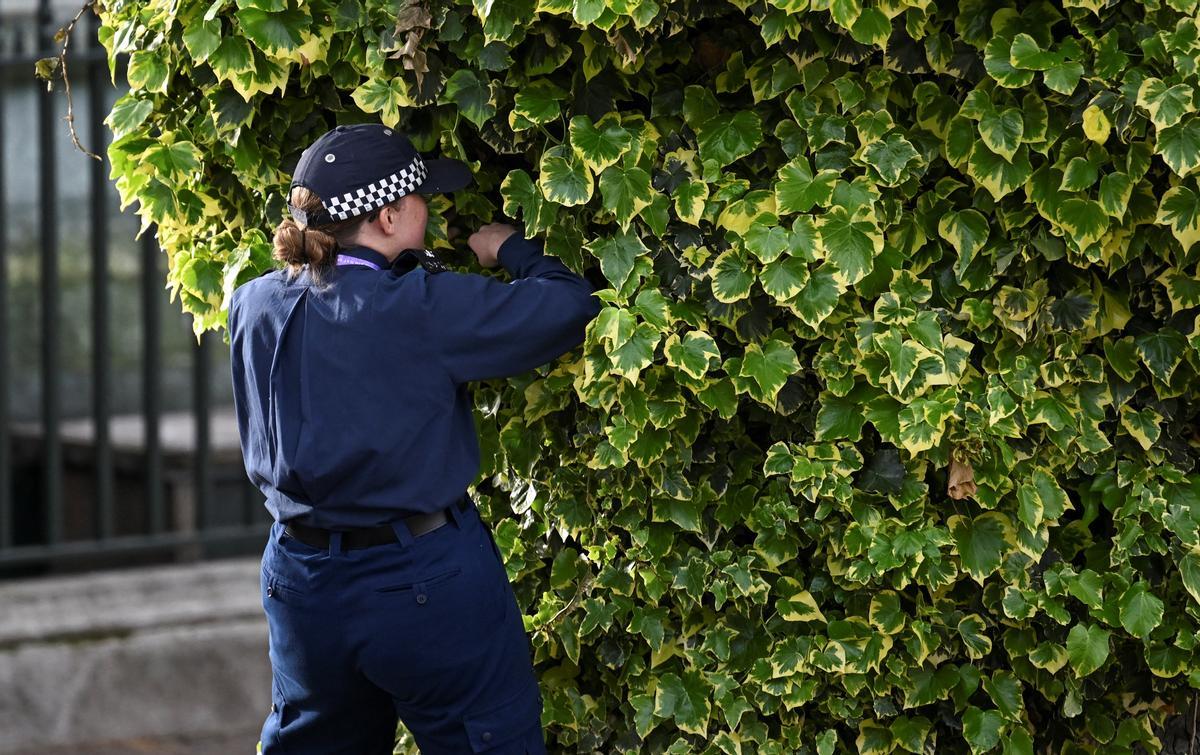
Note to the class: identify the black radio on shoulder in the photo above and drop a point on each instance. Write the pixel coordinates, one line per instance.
(410, 258)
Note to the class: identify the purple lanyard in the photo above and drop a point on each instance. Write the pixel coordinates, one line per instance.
(351, 260)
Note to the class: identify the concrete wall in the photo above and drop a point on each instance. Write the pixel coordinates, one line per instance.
(166, 653)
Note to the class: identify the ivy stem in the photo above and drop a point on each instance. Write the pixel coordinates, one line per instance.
(62, 61)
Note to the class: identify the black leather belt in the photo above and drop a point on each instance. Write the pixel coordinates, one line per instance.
(418, 524)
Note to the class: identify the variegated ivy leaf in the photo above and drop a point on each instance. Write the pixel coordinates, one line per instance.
(1179, 145)
(996, 61)
(732, 276)
(996, 174)
(1183, 290)
(1084, 220)
(967, 231)
(1180, 209)
(728, 136)
(798, 189)
(982, 542)
(851, 245)
(383, 96)
(768, 367)
(563, 178)
(690, 200)
(890, 156)
(472, 95)
(626, 192)
(1002, 131)
(784, 278)
(601, 144)
(694, 353)
(537, 102)
(1096, 125)
(1166, 104)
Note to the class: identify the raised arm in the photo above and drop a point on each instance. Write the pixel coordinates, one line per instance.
(484, 328)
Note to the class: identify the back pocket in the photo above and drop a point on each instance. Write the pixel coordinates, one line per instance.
(423, 582)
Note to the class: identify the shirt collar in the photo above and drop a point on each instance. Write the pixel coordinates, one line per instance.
(363, 253)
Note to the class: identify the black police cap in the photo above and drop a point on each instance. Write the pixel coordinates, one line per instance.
(360, 168)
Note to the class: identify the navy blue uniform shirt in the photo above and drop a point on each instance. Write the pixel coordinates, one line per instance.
(351, 396)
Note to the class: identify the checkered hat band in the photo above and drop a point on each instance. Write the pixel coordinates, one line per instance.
(378, 193)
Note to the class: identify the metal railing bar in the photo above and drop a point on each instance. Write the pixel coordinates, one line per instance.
(6, 520)
(151, 399)
(130, 544)
(201, 400)
(98, 84)
(48, 217)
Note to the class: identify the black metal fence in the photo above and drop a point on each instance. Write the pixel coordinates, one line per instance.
(106, 487)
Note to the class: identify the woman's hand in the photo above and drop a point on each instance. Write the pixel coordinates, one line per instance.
(487, 240)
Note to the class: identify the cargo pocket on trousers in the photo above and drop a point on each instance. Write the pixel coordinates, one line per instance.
(504, 728)
(272, 733)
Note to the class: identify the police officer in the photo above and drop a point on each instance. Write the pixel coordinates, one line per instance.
(385, 594)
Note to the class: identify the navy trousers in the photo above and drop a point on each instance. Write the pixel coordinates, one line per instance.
(426, 631)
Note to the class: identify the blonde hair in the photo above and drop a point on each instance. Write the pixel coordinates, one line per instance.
(317, 246)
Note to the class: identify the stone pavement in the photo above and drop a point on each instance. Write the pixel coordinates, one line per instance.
(169, 659)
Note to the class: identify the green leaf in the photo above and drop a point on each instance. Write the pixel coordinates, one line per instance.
(1180, 209)
(973, 632)
(202, 39)
(1005, 690)
(1166, 104)
(725, 138)
(383, 96)
(851, 245)
(840, 419)
(1064, 77)
(799, 190)
(148, 72)
(1041, 499)
(889, 157)
(732, 276)
(274, 32)
(233, 56)
(685, 700)
(617, 254)
(534, 103)
(872, 27)
(175, 161)
(981, 542)
(999, 176)
(1141, 611)
(1084, 220)
(819, 297)
(1161, 351)
(599, 146)
(563, 178)
(1189, 573)
(1179, 145)
(127, 114)
(1087, 648)
(996, 61)
(690, 200)
(694, 353)
(471, 94)
(784, 278)
(626, 192)
(967, 231)
(982, 728)
(769, 365)
(1025, 53)
(1001, 131)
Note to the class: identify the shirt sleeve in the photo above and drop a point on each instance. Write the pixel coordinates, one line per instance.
(483, 328)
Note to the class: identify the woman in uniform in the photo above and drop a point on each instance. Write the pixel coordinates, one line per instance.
(385, 594)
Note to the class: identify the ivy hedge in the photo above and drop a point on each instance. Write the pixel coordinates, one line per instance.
(886, 438)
